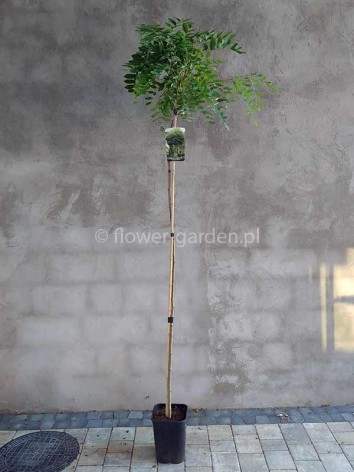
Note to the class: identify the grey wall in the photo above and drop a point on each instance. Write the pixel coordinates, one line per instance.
(83, 323)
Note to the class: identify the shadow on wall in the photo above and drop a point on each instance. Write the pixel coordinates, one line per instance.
(337, 304)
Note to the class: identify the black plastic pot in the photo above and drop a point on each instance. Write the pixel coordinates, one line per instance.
(170, 436)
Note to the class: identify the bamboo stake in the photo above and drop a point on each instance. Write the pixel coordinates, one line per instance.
(171, 201)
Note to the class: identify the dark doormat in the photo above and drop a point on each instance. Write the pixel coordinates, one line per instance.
(45, 451)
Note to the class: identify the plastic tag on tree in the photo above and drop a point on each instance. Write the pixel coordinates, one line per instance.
(175, 144)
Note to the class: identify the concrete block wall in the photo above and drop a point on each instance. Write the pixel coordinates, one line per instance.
(83, 323)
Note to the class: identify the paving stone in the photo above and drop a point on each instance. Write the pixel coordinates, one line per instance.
(84, 468)
(79, 416)
(94, 415)
(134, 422)
(124, 422)
(329, 447)
(144, 436)
(135, 415)
(92, 456)
(345, 409)
(79, 434)
(262, 419)
(248, 444)
(253, 463)
(146, 422)
(212, 413)
(37, 417)
(147, 414)
(268, 431)
(118, 459)
(122, 434)
(325, 417)
(197, 435)
(349, 452)
(303, 452)
(171, 467)
(62, 424)
(348, 416)
(297, 418)
(143, 469)
(198, 455)
(237, 419)
(340, 427)
(6, 436)
(295, 434)
(344, 438)
(279, 460)
(19, 424)
(144, 455)
(107, 415)
(110, 423)
(273, 445)
(244, 429)
(249, 419)
(309, 466)
(220, 433)
(94, 423)
(98, 437)
(78, 423)
(124, 447)
(199, 469)
(274, 419)
(225, 462)
(312, 419)
(192, 421)
(121, 414)
(335, 463)
(337, 417)
(114, 469)
(204, 421)
(222, 446)
(305, 410)
(318, 432)
(224, 420)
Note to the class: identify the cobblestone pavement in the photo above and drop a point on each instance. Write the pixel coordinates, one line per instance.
(133, 418)
(307, 447)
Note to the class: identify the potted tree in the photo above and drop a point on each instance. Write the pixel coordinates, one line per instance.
(176, 71)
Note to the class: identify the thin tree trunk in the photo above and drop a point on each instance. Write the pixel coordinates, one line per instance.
(171, 201)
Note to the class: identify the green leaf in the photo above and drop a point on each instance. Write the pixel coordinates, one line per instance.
(174, 70)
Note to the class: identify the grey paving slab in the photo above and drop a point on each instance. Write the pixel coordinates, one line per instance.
(248, 444)
(310, 466)
(274, 445)
(343, 427)
(303, 452)
(220, 433)
(295, 434)
(279, 460)
(199, 469)
(170, 467)
(216, 448)
(222, 446)
(335, 463)
(346, 437)
(244, 429)
(329, 447)
(197, 435)
(253, 463)
(268, 431)
(198, 455)
(225, 461)
(318, 432)
(349, 452)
